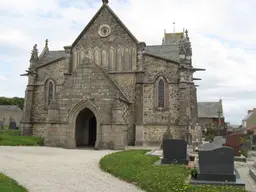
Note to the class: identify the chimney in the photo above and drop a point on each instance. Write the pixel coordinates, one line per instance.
(249, 111)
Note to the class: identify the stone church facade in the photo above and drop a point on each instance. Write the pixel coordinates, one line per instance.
(108, 90)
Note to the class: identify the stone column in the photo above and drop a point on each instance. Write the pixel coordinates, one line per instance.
(26, 122)
(68, 60)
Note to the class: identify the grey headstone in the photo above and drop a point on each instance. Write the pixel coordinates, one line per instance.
(12, 125)
(217, 164)
(174, 151)
(219, 141)
(208, 146)
(254, 139)
(1, 125)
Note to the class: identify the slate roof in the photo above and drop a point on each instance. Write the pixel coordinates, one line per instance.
(209, 109)
(248, 116)
(50, 56)
(165, 51)
(10, 107)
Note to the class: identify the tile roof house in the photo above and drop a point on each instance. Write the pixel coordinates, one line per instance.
(210, 111)
(249, 121)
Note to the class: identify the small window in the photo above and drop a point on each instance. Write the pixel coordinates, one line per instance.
(50, 92)
(161, 98)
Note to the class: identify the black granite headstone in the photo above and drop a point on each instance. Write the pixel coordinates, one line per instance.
(1, 125)
(174, 151)
(12, 125)
(254, 139)
(217, 164)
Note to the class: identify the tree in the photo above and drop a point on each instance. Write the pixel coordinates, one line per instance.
(12, 101)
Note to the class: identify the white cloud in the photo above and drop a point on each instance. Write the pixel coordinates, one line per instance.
(221, 33)
(2, 78)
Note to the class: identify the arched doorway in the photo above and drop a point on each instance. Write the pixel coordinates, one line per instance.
(86, 128)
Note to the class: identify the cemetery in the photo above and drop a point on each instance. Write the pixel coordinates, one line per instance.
(215, 166)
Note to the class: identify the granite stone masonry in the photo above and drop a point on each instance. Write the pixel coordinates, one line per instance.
(174, 151)
(109, 90)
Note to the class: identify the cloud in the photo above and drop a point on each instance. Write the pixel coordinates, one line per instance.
(3, 78)
(223, 39)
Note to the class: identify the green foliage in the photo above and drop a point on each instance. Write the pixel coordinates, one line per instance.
(137, 168)
(12, 101)
(12, 138)
(9, 185)
(193, 173)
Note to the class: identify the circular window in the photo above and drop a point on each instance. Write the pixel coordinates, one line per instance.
(104, 30)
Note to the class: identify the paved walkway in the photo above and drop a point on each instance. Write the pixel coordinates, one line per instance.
(42, 169)
(243, 169)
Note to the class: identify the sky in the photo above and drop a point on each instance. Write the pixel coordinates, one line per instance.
(222, 35)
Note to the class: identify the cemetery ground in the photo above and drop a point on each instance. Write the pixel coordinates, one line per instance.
(136, 167)
(12, 138)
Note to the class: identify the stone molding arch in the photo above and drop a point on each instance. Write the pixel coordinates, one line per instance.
(74, 112)
(157, 78)
(78, 107)
(160, 75)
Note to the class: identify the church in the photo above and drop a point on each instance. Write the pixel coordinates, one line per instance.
(109, 90)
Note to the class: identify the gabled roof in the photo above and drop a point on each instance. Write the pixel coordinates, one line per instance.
(51, 56)
(209, 109)
(122, 94)
(248, 116)
(104, 5)
(170, 52)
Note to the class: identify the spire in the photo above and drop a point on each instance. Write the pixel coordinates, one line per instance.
(186, 32)
(105, 1)
(173, 26)
(34, 54)
(46, 43)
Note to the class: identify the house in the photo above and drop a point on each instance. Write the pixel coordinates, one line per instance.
(250, 119)
(210, 112)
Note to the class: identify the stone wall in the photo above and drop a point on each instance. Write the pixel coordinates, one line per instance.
(7, 114)
(53, 72)
(115, 52)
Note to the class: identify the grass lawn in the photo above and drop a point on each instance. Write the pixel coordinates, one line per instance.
(135, 167)
(9, 185)
(12, 138)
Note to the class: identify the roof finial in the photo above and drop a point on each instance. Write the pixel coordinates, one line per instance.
(173, 26)
(186, 33)
(105, 1)
(46, 43)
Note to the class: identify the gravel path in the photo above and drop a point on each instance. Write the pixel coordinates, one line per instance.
(43, 169)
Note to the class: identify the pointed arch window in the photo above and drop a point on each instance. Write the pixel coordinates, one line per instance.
(161, 94)
(50, 92)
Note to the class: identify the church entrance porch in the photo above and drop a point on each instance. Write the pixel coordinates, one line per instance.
(86, 129)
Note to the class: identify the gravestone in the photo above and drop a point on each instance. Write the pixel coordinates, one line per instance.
(216, 164)
(174, 151)
(234, 141)
(219, 140)
(254, 139)
(208, 146)
(1, 125)
(12, 125)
